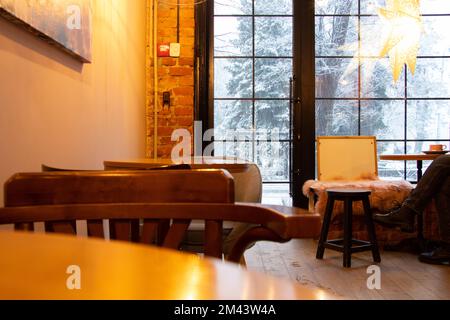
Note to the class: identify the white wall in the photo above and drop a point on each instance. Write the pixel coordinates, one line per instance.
(55, 110)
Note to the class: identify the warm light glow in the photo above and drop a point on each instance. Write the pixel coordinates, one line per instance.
(404, 28)
(195, 281)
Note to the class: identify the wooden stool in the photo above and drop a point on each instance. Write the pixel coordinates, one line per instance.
(348, 245)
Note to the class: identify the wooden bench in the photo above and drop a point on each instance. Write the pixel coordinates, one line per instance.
(151, 207)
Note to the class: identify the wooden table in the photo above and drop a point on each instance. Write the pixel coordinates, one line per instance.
(412, 157)
(34, 267)
(233, 165)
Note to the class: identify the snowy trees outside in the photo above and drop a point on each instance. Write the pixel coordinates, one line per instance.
(355, 90)
(253, 65)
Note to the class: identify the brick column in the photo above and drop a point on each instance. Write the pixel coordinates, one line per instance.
(175, 75)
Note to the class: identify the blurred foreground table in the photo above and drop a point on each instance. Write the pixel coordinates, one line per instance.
(34, 266)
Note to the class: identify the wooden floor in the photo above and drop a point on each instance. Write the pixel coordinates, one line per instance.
(403, 277)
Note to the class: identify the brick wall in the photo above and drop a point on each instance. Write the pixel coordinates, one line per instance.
(175, 75)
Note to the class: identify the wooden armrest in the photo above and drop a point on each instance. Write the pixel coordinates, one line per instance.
(298, 223)
(301, 223)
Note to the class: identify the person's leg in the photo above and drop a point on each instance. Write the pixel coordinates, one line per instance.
(441, 255)
(429, 185)
(427, 188)
(443, 209)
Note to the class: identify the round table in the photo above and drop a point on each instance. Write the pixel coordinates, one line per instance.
(34, 266)
(419, 158)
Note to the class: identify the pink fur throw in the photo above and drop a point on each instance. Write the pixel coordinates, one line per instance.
(385, 194)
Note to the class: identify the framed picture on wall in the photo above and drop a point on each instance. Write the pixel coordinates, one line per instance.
(65, 24)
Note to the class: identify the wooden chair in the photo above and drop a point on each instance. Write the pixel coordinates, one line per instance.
(151, 207)
(347, 158)
(352, 163)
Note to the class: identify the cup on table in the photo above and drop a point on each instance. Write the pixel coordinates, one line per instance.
(438, 147)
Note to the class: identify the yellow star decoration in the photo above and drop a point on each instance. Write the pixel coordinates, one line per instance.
(405, 28)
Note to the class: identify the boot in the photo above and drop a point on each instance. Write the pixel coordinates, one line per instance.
(441, 255)
(402, 217)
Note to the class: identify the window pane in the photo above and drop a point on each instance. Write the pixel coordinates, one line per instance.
(391, 169)
(428, 119)
(231, 115)
(371, 41)
(336, 36)
(390, 148)
(233, 78)
(336, 118)
(431, 80)
(273, 159)
(435, 6)
(272, 115)
(426, 6)
(336, 78)
(273, 36)
(377, 81)
(435, 38)
(275, 7)
(336, 7)
(272, 78)
(233, 36)
(276, 194)
(383, 119)
(417, 147)
(411, 169)
(371, 6)
(241, 150)
(236, 7)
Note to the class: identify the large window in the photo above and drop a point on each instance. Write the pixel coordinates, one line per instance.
(250, 49)
(355, 90)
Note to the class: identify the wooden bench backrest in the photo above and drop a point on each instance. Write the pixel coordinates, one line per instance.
(199, 186)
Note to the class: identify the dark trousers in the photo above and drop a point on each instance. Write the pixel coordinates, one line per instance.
(435, 184)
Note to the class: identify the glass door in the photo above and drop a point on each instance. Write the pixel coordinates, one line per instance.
(253, 66)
